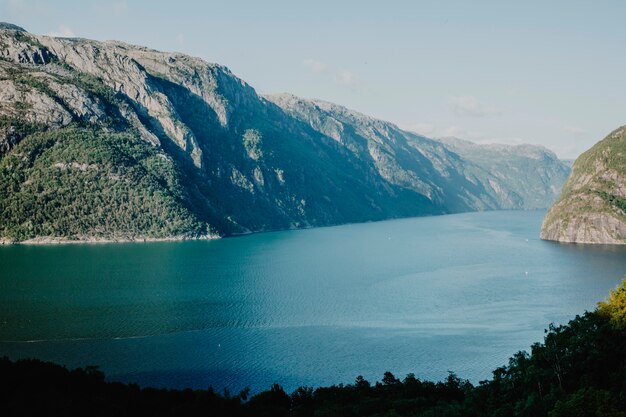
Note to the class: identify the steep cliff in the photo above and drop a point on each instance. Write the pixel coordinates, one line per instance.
(592, 205)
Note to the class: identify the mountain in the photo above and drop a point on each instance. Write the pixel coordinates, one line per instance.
(110, 141)
(459, 174)
(522, 176)
(592, 205)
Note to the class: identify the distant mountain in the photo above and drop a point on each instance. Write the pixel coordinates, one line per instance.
(109, 141)
(459, 174)
(522, 176)
(592, 205)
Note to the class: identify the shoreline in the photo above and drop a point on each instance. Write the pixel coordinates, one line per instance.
(48, 240)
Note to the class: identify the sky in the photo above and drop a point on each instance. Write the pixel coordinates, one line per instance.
(544, 72)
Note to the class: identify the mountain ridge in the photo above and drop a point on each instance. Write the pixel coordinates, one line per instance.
(490, 165)
(215, 158)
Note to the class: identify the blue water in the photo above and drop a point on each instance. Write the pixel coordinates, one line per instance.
(309, 307)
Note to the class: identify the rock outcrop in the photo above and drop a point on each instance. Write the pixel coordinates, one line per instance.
(592, 205)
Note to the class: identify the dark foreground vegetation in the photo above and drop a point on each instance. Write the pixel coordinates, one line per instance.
(579, 370)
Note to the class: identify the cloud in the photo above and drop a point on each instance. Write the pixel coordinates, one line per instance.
(64, 31)
(338, 76)
(180, 39)
(574, 130)
(469, 106)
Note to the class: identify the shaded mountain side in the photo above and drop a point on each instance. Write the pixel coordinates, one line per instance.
(244, 164)
(235, 162)
(592, 205)
(457, 173)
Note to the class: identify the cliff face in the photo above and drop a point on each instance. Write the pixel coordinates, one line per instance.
(592, 206)
(459, 174)
(104, 140)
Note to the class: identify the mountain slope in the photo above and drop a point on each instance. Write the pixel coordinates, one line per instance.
(109, 141)
(522, 176)
(592, 206)
(243, 164)
(459, 174)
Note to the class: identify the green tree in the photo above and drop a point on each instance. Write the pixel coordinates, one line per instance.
(614, 307)
(390, 379)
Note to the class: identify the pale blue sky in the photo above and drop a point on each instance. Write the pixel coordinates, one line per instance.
(545, 72)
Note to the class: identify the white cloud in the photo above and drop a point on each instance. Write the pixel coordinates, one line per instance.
(469, 106)
(338, 76)
(63, 31)
(180, 39)
(574, 130)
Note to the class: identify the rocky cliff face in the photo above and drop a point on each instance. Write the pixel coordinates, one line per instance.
(592, 206)
(104, 140)
(458, 174)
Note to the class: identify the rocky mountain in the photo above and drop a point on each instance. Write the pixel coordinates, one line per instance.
(109, 141)
(458, 174)
(521, 176)
(592, 205)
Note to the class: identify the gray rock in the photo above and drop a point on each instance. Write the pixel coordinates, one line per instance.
(592, 206)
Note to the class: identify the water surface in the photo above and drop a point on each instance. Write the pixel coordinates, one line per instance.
(310, 307)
